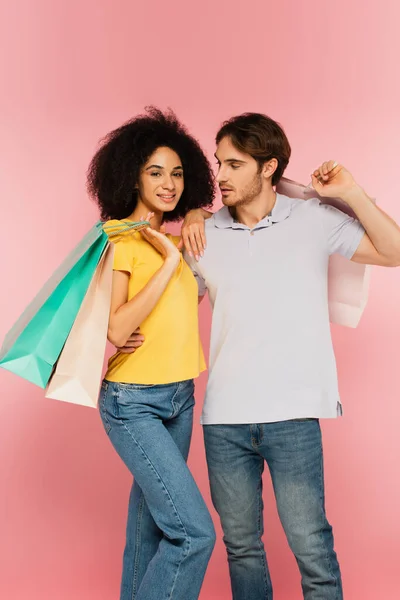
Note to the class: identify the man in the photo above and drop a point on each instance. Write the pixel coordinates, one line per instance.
(272, 372)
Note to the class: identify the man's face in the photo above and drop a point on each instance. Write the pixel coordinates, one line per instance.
(239, 177)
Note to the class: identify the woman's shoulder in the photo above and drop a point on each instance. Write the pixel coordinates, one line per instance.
(174, 238)
(119, 231)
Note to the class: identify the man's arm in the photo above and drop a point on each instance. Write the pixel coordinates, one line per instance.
(381, 243)
(193, 232)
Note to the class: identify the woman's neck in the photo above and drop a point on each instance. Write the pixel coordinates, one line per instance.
(141, 212)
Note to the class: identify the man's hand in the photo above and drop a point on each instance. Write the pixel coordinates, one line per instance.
(133, 343)
(193, 232)
(332, 180)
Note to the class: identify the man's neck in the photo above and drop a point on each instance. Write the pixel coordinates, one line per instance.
(254, 212)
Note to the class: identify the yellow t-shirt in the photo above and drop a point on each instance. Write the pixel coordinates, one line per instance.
(172, 349)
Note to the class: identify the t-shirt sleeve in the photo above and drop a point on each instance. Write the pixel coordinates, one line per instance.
(123, 246)
(343, 233)
(123, 257)
(201, 284)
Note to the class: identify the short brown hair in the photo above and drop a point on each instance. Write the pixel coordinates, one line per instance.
(261, 137)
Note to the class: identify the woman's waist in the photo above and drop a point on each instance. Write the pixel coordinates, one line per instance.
(179, 322)
(157, 363)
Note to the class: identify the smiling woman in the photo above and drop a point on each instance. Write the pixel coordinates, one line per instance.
(114, 173)
(160, 183)
(151, 168)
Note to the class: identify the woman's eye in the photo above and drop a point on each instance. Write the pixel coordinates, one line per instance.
(155, 174)
(178, 174)
(235, 166)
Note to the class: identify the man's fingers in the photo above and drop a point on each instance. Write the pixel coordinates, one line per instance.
(327, 170)
(316, 181)
(322, 174)
(203, 237)
(186, 243)
(130, 346)
(136, 336)
(193, 243)
(199, 241)
(133, 343)
(336, 168)
(135, 339)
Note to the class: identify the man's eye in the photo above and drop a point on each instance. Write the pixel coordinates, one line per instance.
(235, 166)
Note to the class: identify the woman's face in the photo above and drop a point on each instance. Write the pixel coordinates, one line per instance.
(161, 181)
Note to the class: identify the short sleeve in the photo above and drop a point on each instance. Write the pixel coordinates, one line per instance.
(123, 251)
(343, 233)
(201, 284)
(123, 259)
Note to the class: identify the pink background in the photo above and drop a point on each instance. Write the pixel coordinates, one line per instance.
(71, 71)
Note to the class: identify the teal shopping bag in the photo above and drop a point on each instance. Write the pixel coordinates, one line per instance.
(34, 344)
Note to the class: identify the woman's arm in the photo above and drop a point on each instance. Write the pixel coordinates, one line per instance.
(126, 316)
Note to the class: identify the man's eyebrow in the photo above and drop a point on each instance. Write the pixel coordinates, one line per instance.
(231, 160)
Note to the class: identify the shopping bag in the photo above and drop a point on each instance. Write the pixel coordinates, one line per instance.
(49, 287)
(33, 345)
(348, 282)
(77, 375)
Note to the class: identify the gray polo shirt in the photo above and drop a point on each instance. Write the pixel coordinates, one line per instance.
(271, 354)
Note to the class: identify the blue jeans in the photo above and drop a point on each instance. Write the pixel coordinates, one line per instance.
(293, 453)
(170, 534)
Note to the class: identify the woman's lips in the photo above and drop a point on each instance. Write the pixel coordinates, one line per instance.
(167, 197)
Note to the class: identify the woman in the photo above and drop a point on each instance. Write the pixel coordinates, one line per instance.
(152, 166)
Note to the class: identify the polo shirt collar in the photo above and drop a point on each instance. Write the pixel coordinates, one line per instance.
(280, 212)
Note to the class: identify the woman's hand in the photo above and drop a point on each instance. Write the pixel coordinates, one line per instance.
(162, 244)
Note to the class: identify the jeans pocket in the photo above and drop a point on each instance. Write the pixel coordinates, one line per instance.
(129, 397)
(136, 386)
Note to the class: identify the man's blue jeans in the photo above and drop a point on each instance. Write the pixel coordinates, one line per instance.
(170, 534)
(236, 455)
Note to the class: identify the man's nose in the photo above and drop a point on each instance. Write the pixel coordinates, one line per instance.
(221, 176)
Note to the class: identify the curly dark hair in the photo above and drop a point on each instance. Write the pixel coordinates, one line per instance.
(114, 170)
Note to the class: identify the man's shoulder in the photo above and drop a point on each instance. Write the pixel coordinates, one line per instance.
(304, 208)
(298, 203)
(210, 223)
(220, 218)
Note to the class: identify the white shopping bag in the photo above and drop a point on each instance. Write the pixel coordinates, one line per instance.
(348, 282)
